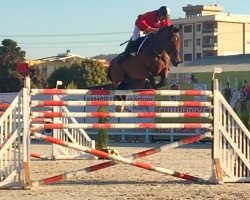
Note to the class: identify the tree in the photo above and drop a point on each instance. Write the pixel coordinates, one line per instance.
(37, 78)
(67, 75)
(71, 85)
(103, 136)
(107, 57)
(90, 73)
(10, 54)
(94, 73)
(11, 80)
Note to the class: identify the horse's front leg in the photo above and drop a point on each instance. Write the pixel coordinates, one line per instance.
(163, 76)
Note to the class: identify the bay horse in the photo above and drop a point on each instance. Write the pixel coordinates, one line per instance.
(153, 59)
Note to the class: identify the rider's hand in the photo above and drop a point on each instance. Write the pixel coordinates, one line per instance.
(153, 30)
(150, 30)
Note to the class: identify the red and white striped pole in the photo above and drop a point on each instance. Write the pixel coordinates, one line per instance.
(122, 92)
(122, 103)
(38, 127)
(39, 156)
(139, 164)
(134, 156)
(118, 114)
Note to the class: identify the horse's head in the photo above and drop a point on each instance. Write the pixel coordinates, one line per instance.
(171, 40)
(175, 46)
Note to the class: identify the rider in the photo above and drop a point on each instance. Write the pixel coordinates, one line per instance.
(146, 23)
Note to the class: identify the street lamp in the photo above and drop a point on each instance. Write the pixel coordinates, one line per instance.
(58, 83)
(217, 70)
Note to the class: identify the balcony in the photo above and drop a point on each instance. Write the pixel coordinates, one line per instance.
(210, 46)
(209, 31)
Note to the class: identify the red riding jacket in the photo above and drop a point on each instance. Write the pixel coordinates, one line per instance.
(150, 19)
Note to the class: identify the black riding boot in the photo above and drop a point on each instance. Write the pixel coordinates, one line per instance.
(129, 49)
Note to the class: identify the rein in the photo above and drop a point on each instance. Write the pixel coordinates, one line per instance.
(169, 51)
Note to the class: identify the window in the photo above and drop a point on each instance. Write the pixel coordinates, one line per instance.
(198, 55)
(198, 42)
(188, 57)
(198, 27)
(188, 29)
(187, 43)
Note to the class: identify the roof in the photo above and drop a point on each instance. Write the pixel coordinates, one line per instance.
(222, 17)
(61, 57)
(65, 59)
(227, 63)
(210, 68)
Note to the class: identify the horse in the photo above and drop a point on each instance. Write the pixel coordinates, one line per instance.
(153, 59)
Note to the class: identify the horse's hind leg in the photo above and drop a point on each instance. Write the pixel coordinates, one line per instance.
(121, 86)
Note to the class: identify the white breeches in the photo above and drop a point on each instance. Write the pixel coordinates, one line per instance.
(137, 33)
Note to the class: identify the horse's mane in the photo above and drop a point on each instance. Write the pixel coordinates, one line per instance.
(169, 29)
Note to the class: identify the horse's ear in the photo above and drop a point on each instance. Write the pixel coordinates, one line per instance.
(175, 29)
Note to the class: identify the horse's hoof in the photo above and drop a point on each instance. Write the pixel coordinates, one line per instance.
(119, 108)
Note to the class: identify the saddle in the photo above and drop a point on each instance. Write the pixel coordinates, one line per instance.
(132, 48)
(136, 45)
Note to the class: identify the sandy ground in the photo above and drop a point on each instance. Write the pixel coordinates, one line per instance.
(128, 182)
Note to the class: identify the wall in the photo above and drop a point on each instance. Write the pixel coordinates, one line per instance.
(230, 38)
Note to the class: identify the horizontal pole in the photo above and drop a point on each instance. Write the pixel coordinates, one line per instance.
(37, 127)
(120, 115)
(39, 156)
(122, 92)
(4, 105)
(41, 120)
(110, 163)
(143, 165)
(122, 103)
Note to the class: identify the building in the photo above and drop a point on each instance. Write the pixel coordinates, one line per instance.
(49, 64)
(207, 31)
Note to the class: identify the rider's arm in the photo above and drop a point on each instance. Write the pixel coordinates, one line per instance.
(143, 26)
(141, 23)
(167, 22)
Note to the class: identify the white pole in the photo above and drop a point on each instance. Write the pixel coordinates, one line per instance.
(26, 132)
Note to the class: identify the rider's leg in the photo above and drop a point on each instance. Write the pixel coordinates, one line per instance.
(130, 48)
(133, 45)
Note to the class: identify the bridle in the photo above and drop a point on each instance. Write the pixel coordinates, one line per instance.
(171, 51)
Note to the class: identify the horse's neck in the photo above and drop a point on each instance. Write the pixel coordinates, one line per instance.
(160, 43)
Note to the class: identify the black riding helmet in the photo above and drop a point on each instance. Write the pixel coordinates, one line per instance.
(164, 11)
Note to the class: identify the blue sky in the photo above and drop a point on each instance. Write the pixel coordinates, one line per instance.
(29, 22)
